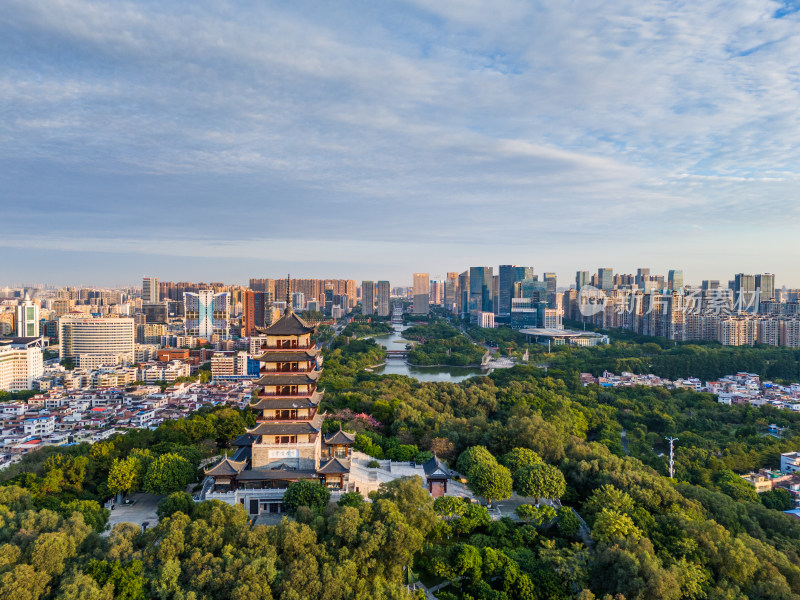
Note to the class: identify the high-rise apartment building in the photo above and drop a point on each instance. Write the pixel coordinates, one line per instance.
(20, 363)
(150, 290)
(605, 278)
(765, 282)
(744, 293)
(642, 277)
(421, 293)
(207, 314)
(257, 311)
(383, 298)
(437, 292)
(367, 297)
(27, 318)
(675, 279)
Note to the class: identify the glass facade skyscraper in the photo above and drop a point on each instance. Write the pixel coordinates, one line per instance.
(509, 275)
(480, 289)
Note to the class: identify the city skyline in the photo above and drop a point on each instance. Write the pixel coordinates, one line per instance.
(162, 139)
(564, 281)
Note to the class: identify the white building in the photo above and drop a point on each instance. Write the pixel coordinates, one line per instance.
(27, 318)
(150, 291)
(485, 320)
(86, 335)
(20, 363)
(228, 363)
(90, 362)
(790, 462)
(39, 426)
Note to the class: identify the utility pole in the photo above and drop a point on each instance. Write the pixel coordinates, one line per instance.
(671, 441)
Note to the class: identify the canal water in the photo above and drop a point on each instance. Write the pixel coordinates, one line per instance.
(398, 366)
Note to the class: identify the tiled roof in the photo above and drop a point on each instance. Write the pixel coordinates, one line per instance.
(340, 438)
(288, 324)
(226, 467)
(334, 466)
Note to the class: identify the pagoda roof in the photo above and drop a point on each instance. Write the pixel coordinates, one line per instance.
(246, 439)
(264, 474)
(226, 468)
(266, 402)
(340, 438)
(334, 466)
(288, 378)
(244, 453)
(436, 469)
(283, 355)
(288, 324)
(284, 428)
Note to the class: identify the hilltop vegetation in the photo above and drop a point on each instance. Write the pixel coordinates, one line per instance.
(703, 535)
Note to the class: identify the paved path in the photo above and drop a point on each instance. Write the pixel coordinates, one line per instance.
(143, 510)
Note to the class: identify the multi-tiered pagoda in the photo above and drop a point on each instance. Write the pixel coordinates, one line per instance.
(287, 444)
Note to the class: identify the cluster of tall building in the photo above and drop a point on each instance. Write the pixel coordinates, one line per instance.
(514, 296)
(748, 310)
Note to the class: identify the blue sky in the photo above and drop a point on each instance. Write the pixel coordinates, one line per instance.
(220, 141)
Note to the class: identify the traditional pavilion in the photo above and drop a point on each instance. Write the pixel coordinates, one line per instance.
(287, 444)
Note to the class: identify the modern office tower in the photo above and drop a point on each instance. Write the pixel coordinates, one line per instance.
(744, 293)
(257, 311)
(642, 277)
(710, 284)
(495, 294)
(20, 363)
(207, 314)
(480, 290)
(298, 300)
(156, 313)
(150, 290)
(551, 282)
(536, 291)
(765, 282)
(383, 299)
(462, 300)
(605, 278)
(509, 275)
(422, 292)
(102, 340)
(506, 289)
(675, 279)
(27, 317)
(451, 292)
(367, 297)
(582, 278)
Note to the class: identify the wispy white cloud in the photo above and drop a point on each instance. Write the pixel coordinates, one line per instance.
(415, 121)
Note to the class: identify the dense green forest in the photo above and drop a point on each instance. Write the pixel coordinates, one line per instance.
(659, 356)
(439, 343)
(363, 329)
(640, 535)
